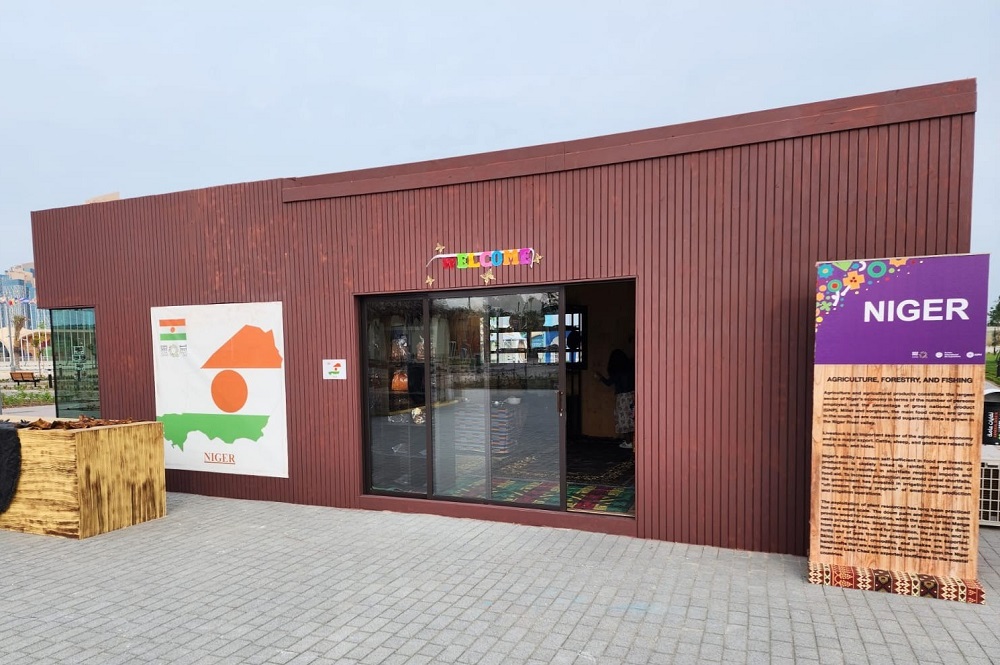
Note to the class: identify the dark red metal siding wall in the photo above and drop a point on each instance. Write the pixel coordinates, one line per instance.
(225, 244)
(721, 243)
(390, 237)
(725, 289)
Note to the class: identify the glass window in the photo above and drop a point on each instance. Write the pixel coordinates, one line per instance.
(495, 403)
(543, 344)
(466, 371)
(460, 395)
(397, 410)
(74, 355)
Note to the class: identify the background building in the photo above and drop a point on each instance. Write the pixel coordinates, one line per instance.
(18, 297)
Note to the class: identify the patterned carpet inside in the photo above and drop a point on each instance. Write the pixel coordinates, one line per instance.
(601, 498)
(580, 497)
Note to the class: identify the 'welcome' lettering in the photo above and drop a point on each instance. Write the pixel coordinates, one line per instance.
(522, 256)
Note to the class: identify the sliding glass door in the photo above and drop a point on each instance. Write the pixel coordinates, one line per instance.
(491, 367)
(496, 398)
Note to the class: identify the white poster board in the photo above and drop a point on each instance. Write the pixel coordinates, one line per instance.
(335, 369)
(219, 372)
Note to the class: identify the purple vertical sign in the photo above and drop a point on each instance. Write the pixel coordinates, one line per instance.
(920, 310)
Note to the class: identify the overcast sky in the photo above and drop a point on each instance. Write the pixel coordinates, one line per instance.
(151, 97)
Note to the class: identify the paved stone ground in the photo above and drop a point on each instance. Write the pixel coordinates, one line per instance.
(15, 413)
(226, 581)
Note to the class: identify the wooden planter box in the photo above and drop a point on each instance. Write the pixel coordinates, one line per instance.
(83, 482)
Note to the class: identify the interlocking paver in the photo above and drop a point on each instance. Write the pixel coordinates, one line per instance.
(224, 581)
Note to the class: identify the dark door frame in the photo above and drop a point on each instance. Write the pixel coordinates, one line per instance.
(425, 297)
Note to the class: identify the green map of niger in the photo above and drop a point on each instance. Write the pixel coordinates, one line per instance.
(250, 348)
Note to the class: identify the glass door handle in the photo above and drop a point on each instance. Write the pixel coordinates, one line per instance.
(559, 402)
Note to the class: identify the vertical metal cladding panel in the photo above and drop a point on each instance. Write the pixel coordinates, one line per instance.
(720, 230)
(218, 245)
(786, 204)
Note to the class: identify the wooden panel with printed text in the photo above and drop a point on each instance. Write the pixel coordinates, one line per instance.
(895, 467)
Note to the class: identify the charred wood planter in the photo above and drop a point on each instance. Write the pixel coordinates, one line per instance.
(83, 478)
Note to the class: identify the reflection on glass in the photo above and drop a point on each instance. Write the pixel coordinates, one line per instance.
(74, 358)
(397, 408)
(496, 420)
(460, 396)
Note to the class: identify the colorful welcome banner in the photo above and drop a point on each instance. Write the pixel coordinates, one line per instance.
(897, 425)
(497, 257)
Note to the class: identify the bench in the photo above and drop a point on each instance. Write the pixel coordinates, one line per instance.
(24, 377)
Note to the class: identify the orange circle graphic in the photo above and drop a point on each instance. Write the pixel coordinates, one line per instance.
(229, 391)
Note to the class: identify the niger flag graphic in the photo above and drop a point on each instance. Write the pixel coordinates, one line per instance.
(251, 348)
(173, 330)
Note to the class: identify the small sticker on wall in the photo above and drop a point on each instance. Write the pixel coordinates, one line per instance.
(335, 369)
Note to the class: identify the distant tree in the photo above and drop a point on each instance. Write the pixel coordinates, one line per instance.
(35, 341)
(994, 322)
(19, 321)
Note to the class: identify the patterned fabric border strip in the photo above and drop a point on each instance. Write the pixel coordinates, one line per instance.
(900, 583)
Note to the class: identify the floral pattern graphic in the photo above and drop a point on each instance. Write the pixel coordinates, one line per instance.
(838, 280)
